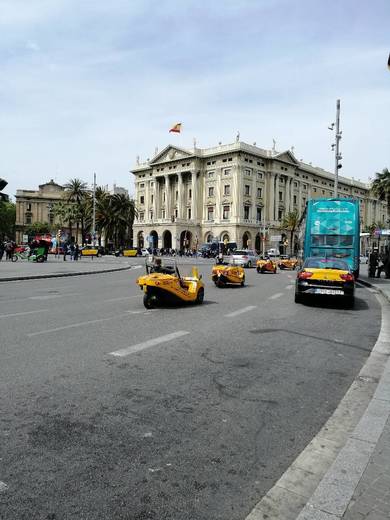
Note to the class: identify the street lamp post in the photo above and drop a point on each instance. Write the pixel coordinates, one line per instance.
(336, 148)
(94, 211)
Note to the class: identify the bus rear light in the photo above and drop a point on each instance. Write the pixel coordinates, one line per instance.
(347, 277)
(304, 275)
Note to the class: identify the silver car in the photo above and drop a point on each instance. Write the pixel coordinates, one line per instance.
(244, 257)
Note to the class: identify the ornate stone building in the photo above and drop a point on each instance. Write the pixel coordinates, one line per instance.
(36, 206)
(235, 192)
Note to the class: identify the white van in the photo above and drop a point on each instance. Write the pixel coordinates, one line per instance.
(273, 252)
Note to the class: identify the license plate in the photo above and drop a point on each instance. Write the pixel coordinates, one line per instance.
(329, 291)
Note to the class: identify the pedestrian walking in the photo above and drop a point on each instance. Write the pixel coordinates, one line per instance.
(65, 251)
(1, 251)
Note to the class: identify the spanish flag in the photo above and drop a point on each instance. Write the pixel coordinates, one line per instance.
(176, 128)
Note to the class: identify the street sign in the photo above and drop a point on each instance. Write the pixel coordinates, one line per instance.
(276, 238)
(25, 238)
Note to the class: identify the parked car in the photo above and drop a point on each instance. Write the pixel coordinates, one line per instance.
(245, 257)
(273, 252)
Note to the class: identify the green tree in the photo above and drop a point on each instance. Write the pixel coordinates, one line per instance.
(75, 194)
(7, 220)
(290, 222)
(381, 187)
(38, 228)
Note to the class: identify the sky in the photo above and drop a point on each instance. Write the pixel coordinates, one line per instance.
(87, 86)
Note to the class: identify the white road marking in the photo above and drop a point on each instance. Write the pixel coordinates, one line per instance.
(276, 295)
(3, 486)
(52, 296)
(122, 298)
(240, 311)
(149, 343)
(288, 287)
(136, 267)
(74, 325)
(289, 276)
(21, 313)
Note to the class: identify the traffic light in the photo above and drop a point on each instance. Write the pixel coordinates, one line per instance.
(3, 196)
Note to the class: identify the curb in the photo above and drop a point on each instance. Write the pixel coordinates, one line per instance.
(376, 287)
(63, 275)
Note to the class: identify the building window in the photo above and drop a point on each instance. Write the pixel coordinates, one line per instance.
(247, 189)
(163, 213)
(258, 214)
(295, 199)
(226, 212)
(228, 171)
(142, 199)
(151, 215)
(189, 193)
(141, 217)
(164, 196)
(176, 195)
(210, 213)
(189, 213)
(29, 206)
(314, 189)
(296, 184)
(246, 212)
(211, 191)
(210, 175)
(142, 186)
(259, 192)
(226, 189)
(259, 175)
(280, 214)
(51, 218)
(28, 218)
(280, 195)
(248, 171)
(152, 198)
(176, 213)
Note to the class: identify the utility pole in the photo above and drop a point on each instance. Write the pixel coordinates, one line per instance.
(337, 156)
(94, 211)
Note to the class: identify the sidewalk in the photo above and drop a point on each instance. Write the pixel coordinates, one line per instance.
(56, 267)
(381, 284)
(357, 485)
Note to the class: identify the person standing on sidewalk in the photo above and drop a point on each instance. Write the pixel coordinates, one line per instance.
(1, 250)
(373, 263)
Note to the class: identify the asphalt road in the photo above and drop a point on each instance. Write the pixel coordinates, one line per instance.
(199, 426)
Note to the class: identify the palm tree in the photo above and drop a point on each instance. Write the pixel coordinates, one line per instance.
(75, 193)
(290, 222)
(381, 187)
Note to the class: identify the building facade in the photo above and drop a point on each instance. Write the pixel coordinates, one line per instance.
(36, 206)
(235, 192)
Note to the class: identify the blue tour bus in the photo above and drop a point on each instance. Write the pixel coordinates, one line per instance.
(333, 230)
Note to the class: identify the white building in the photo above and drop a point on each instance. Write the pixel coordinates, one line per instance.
(234, 192)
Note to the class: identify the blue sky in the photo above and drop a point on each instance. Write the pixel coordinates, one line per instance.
(89, 85)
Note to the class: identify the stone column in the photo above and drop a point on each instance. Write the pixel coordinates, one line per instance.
(299, 197)
(252, 212)
(218, 209)
(155, 200)
(180, 197)
(193, 196)
(167, 198)
(276, 210)
(271, 204)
